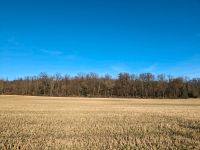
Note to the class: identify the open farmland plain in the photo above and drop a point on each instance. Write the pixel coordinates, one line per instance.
(89, 123)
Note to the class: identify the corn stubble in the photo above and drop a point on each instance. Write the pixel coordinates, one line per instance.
(81, 123)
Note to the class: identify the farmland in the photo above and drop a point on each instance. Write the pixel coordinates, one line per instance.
(28, 122)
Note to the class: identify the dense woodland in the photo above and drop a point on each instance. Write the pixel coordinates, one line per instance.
(145, 85)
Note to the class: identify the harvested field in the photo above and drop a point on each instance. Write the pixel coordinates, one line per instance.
(98, 123)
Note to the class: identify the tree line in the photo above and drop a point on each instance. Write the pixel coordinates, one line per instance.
(145, 85)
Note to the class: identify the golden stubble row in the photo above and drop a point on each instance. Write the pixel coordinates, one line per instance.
(64, 123)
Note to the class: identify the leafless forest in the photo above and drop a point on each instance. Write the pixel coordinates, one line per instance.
(145, 85)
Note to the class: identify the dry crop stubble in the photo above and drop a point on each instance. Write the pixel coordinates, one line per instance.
(90, 123)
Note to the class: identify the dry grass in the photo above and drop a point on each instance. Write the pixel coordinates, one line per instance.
(81, 123)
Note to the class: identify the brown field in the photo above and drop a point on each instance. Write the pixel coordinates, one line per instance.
(89, 123)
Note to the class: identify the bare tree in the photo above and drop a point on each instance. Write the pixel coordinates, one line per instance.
(144, 85)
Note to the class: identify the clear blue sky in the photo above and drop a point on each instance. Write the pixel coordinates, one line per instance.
(102, 36)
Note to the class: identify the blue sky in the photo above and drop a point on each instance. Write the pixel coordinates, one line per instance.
(102, 36)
